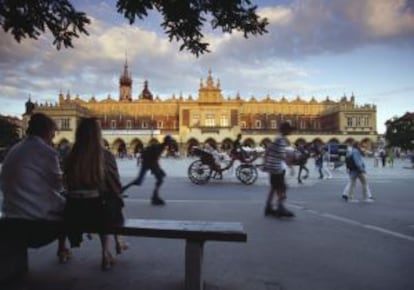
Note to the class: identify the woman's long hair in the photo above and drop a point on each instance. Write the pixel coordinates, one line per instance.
(84, 166)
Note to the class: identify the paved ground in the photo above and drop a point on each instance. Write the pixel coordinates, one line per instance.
(329, 245)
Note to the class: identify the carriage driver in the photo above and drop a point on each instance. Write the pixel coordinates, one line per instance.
(238, 149)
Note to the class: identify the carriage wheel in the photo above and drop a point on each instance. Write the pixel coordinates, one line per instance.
(198, 172)
(246, 173)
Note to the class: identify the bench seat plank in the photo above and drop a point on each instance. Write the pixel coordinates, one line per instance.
(175, 229)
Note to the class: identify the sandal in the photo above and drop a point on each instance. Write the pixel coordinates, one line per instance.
(121, 246)
(107, 262)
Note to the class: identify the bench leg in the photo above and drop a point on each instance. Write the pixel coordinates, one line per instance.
(193, 265)
(13, 260)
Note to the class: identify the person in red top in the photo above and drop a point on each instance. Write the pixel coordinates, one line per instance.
(150, 161)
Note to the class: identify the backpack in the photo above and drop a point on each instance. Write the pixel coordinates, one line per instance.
(350, 162)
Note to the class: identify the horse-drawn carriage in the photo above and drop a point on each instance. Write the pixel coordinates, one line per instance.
(209, 166)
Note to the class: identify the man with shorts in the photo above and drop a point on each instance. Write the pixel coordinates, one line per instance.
(275, 164)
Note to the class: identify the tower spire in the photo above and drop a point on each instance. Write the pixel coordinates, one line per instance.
(125, 83)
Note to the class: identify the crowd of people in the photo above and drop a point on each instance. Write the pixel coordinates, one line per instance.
(83, 187)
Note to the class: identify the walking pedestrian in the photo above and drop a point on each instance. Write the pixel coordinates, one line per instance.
(150, 157)
(383, 157)
(325, 164)
(390, 154)
(302, 160)
(319, 163)
(357, 171)
(376, 158)
(275, 165)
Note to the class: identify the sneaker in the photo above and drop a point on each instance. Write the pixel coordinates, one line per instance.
(353, 200)
(269, 211)
(283, 212)
(345, 197)
(157, 201)
(369, 199)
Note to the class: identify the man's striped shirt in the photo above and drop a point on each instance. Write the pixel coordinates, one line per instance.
(276, 155)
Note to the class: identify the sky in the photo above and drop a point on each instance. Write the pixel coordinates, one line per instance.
(313, 48)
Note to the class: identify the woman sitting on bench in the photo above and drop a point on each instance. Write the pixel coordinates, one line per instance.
(94, 197)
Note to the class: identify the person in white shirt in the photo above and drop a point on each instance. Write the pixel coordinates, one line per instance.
(31, 182)
(326, 171)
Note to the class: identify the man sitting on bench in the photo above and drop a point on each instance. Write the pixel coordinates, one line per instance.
(31, 182)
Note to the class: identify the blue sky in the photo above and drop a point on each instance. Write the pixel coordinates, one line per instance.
(314, 48)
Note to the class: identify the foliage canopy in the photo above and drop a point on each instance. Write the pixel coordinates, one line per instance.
(400, 132)
(183, 20)
(8, 133)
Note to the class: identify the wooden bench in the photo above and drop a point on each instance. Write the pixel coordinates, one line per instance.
(14, 261)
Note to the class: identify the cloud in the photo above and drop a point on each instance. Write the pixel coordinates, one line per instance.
(268, 64)
(312, 27)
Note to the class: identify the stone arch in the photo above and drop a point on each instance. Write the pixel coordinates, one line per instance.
(334, 140)
(191, 143)
(153, 141)
(136, 146)
(249, 142)
(265, 142)
(212, 142)
(227, 145)
(316, 145)
(349, 140)
(173, 149)
(318, 141)
(300, 141)
(119, 146)
(63, 142)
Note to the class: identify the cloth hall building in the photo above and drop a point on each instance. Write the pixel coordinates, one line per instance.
(133, 122)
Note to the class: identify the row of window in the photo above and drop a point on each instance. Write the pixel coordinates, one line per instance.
(358, 121)
(63, 124)
(144, 124)
(302, 124)
(210, 120)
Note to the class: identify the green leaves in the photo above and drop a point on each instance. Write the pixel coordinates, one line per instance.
(28, 18)
(183, 20)
(400, 132)
(8, 133)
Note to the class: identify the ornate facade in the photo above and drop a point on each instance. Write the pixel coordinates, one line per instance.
(132, 123)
